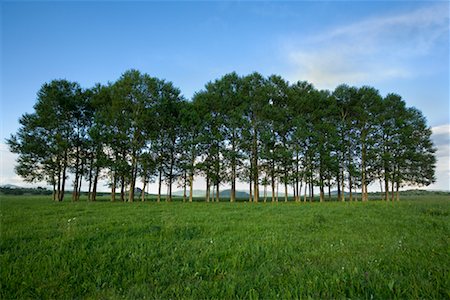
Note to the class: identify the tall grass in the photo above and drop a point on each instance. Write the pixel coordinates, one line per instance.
(224, 250)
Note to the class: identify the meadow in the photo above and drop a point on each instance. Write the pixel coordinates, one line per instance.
(104, 250)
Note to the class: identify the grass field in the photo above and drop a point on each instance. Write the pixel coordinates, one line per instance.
(106, 250)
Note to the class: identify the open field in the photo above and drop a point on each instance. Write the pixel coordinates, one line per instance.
(220, 250)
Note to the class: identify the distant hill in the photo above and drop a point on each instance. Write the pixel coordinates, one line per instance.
(227, 193)
(11, 189)
(195, 193)
(11, 186)
(239, 194)
(334, 193)
(202, 193)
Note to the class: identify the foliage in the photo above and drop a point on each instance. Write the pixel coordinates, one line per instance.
(263, 131)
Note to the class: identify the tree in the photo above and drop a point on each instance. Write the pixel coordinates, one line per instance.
(146, 170)
(414, 160)
(80, 119)
(255, 97)
(230, 90)
(136, 93)
(100, 148)
(37, 159)
(190, 127)
(368, 99)
(279, 131)
(49, 131)
(212, 139)
(346, 150)
(167, 116)
(255, 129)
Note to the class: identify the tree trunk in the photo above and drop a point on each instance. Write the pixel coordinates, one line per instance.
(278, 188)
(169, 196)
(77, 172)
(91, 162)
(255, 166)
(122, 188)
(79, 187)
(54, 191)
(306, 186)
(233, 168)
(342, 186)
(338, 179)
(144, 185)
(94, 189)
(297, 191)
(207, 188)
(158, 199)
(294, 191)
(386, 188)
(191, 186)
(285, 191)
(300, 191)
(350, 184)
(184, 185)
(392, 190)
(265, 193)
(58, 193)
(363, 173)
(329, 189)
(310, 191)
(133, 177)
(75, 186)
(381, 189)
(321, 192)
(63, 184)
(251, 192)
(256, 185)
(272, 174)
(169, 188)
(113, 186)
(397, 191)
(217, 193)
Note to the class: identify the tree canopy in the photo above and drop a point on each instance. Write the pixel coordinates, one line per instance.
(253, 129)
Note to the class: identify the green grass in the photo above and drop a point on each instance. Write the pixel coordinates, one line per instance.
(108, 250)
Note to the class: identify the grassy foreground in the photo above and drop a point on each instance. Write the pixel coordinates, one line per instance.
(108, 250)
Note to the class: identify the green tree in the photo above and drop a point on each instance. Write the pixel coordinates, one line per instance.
(232, 107)
(345, 146)
(45, 138)
(368, 100)
(212, 139)
(167, 140)
(255, 97)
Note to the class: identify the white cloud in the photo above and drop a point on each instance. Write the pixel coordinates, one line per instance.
(442, 130)
(441, 139)
(372, 50)
(8, 161)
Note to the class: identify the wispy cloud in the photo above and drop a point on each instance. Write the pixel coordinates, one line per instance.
(373, 50)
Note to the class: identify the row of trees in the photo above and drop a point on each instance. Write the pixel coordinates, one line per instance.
(263, 131)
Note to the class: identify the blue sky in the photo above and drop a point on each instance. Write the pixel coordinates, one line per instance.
(400, 47)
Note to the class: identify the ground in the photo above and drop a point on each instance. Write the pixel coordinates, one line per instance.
(224, 250)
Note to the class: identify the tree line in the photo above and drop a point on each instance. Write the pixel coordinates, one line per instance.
(260, 130)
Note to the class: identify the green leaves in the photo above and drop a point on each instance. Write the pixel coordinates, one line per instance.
(244, 128)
